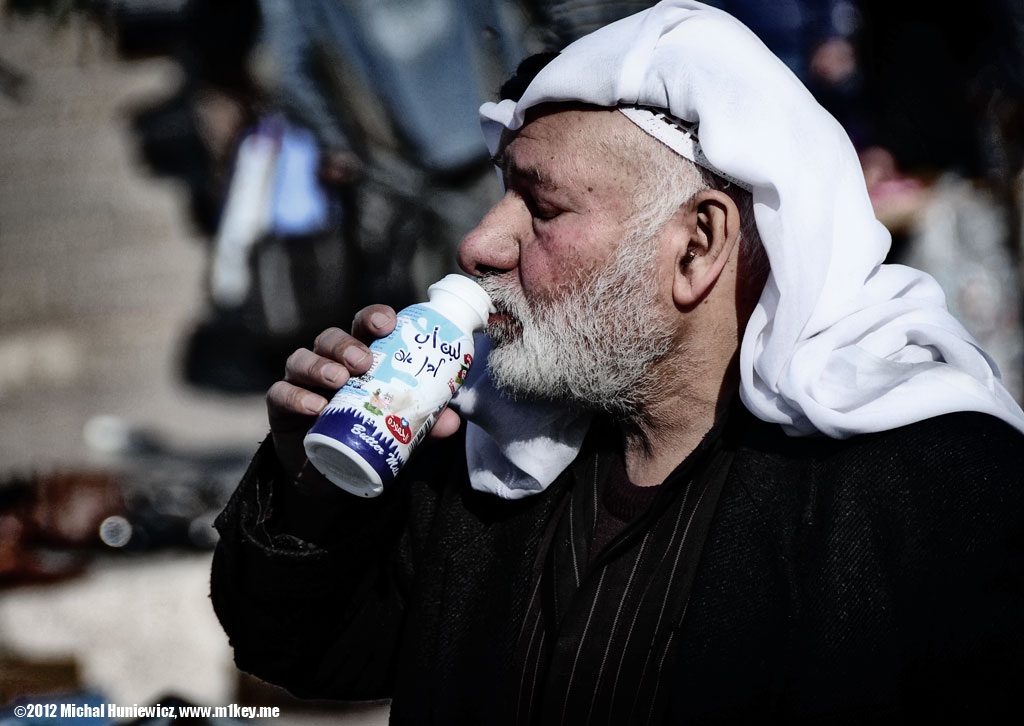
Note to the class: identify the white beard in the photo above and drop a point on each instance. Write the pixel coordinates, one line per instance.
(592, 347)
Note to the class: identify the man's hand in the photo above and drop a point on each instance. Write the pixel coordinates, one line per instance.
(312, 376)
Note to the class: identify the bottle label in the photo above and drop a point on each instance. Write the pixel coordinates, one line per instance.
(383, 414)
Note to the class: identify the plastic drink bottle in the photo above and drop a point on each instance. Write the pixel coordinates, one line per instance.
(374, 422)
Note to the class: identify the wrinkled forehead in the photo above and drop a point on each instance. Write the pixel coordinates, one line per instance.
(560, 117)
(568, 144)
(571, 122)
(617, 134)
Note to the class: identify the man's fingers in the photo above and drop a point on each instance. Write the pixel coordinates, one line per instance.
(336, 357)
(447, 423)
(306, 368)
(293, 403)
(338, 347)
(374, 321)
(285, 401)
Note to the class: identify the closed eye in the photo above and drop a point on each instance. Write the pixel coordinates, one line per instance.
(544, 214)
(542, 211)
(525, 182)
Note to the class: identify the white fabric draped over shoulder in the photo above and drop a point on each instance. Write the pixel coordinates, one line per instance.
(839, 343)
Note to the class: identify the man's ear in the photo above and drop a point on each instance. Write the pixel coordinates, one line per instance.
(711, 232)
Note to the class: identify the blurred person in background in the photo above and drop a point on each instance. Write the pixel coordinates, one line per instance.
(723, 464)
(390, 91)
(192, 134)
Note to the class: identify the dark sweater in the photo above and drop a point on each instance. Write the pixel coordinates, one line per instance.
(874, 580)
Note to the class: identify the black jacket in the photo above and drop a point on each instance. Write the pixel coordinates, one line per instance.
(874, 580)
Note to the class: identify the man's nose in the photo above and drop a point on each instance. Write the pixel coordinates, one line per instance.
(493, 245)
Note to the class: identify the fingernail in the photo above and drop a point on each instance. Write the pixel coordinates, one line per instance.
(378, 320)
(315, 404)
(331, 372)
(355, 356)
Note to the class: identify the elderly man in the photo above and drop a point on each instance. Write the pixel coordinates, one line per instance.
(722, 465)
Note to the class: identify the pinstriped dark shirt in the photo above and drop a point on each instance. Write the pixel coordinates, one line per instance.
(611, 589)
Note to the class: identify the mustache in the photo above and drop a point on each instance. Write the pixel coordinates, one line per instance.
(506, 297)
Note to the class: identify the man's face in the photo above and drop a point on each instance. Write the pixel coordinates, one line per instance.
(574, 277)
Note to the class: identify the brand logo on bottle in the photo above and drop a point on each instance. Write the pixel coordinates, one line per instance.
(399, 428)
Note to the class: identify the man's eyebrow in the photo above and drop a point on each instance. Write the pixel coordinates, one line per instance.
(511, 170)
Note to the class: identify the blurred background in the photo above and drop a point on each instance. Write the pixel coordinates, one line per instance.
(190, 189)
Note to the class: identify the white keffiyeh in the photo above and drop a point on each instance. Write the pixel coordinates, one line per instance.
(839, 343)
